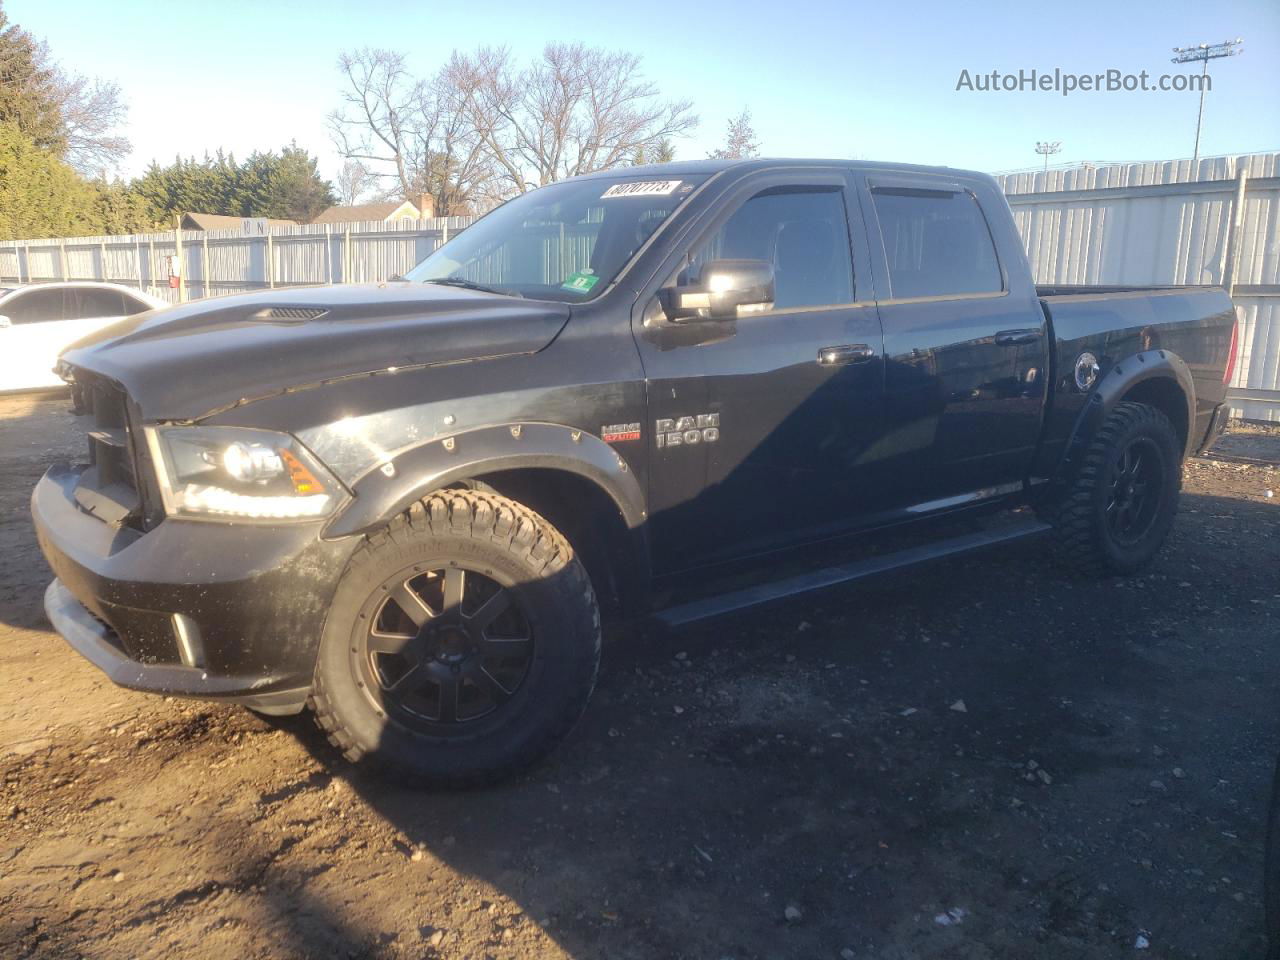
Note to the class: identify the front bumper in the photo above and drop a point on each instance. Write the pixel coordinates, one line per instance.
(228, 611)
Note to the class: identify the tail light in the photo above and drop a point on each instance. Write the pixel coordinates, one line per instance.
(1231, 351)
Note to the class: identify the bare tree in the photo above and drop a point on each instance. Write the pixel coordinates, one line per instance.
(740, 139)
(483, 128)
(459, 171)
(92, 113)
(414, 132)
(574, 110)
(377, 123)
(354, 183)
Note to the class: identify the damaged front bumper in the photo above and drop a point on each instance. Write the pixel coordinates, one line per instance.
(211, 610)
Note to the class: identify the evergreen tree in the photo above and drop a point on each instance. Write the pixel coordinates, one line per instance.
(119, 209)
(29, 98)
(40, 196)
(740, 140)
(285, 185)
(664, 151)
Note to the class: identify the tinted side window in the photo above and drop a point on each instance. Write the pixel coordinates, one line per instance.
(937, 244)
(86, 303)
(803, 232)
(35, 306)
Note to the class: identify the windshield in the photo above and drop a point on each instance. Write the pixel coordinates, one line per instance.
(567, 241)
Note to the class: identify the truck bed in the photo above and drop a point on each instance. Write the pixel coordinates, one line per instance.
(1195, 323)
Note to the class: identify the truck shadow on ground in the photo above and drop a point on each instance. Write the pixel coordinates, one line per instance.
(973, 760)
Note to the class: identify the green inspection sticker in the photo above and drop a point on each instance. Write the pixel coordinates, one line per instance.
(580, 282)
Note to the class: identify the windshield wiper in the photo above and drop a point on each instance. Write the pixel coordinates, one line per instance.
(470, 285)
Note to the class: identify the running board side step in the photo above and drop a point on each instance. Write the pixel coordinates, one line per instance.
(737, 600)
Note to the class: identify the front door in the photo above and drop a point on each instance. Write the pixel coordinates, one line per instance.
(758, 426)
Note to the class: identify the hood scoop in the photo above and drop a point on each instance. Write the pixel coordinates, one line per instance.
(298, 314)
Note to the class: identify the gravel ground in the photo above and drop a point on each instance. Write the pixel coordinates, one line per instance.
(982, 759)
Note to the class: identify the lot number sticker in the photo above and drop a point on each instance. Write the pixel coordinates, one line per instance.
(641, 188)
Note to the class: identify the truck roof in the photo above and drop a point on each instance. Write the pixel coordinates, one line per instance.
(705, 167)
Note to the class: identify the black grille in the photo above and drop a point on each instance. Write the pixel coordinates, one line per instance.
(108, 489)
(109, 436)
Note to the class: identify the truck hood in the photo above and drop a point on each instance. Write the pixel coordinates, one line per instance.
(186, 362)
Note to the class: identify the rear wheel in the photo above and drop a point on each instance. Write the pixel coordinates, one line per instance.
(462, 644)
(1121, 505)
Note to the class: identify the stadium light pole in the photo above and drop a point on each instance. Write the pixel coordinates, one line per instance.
(1048, 148)
(1204, 53)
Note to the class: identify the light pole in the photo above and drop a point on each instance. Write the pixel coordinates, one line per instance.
(1048, 148)
(1204, 53)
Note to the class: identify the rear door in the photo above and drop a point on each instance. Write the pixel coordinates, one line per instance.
(965, 341)
(758, 426)
(89, 309)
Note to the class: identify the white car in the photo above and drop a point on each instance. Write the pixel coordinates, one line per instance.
(39, 321)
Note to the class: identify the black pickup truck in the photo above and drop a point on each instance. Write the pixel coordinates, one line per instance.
(410, 505)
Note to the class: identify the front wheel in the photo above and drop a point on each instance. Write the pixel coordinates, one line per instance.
(1120, 507)
(462, 643)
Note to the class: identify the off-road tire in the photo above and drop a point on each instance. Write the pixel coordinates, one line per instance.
(1085, 540)
(491, 533)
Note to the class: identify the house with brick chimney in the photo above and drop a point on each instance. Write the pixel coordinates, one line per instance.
(380, 212)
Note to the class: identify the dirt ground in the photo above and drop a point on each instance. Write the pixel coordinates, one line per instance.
(983, 759)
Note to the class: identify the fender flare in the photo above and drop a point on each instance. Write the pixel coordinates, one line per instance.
(1118, 381)
(384, 493)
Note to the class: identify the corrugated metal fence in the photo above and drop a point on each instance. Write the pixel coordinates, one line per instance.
(1144, 223)
(1132, 223)
(227, 261)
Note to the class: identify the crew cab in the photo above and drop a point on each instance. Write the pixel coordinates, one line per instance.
(651, 391)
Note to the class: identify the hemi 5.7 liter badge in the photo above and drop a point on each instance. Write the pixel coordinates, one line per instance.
(618, 432)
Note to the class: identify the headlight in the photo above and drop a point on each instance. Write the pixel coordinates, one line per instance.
(237, 472)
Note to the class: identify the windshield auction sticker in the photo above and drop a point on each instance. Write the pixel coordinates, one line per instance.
(580, 282)
(641, 188)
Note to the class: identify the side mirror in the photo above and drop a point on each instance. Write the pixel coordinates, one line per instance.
(5, 322)
(722, 290)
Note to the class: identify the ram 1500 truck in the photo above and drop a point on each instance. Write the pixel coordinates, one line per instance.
(410, 505)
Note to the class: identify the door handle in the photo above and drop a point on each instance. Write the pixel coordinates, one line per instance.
(1011, 338)
(845, 353)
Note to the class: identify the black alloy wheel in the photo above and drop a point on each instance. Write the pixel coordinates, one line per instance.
(445, 646)
(1137, 485)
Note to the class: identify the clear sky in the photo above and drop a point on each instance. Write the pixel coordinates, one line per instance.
(821, 77)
